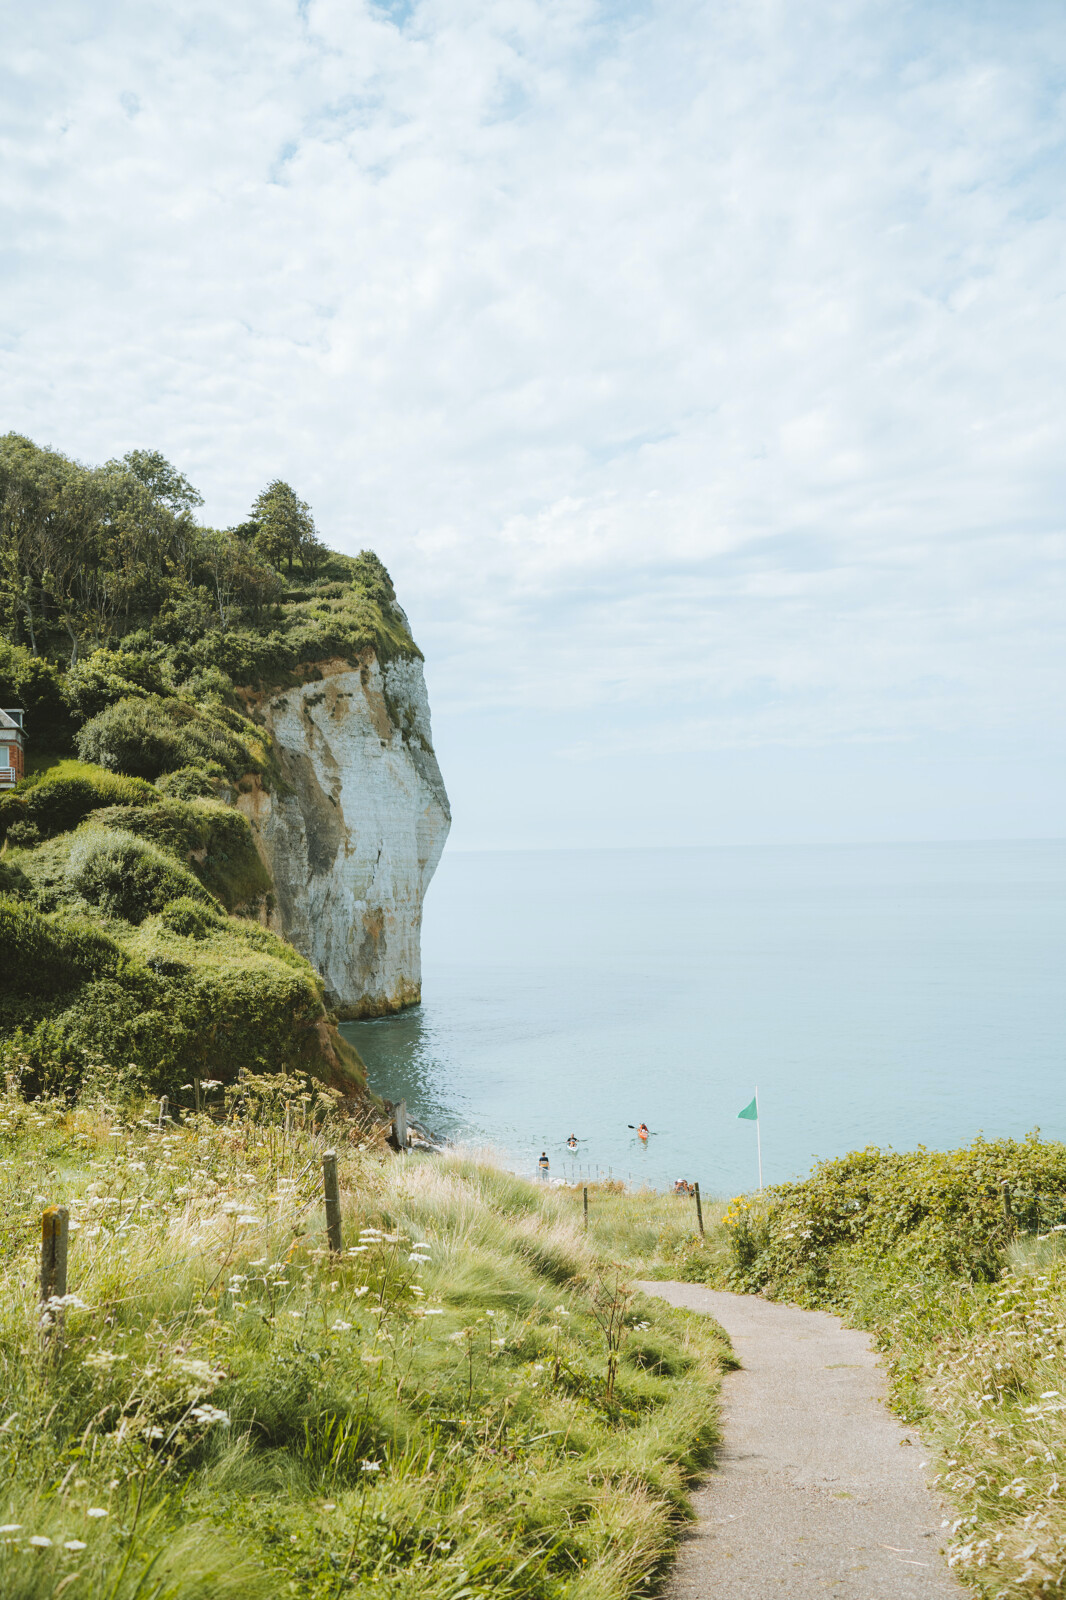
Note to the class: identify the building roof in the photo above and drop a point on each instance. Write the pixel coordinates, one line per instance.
(8, 723)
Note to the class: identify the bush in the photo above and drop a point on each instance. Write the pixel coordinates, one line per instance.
(129, 877)
(151, 736)
(214, 840)
(107, 676)
(46, 958)
(53, 803)
(938, 1212)
(191, 918)
(192, 783)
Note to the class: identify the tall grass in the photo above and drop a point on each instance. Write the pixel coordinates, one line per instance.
(230, 1410)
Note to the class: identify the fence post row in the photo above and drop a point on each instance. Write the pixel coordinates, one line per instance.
(699, 1209)
(333, 1200)
(585, 1193)
(1008, 1209)
(55, 1224)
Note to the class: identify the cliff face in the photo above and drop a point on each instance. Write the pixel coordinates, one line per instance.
(354, 833)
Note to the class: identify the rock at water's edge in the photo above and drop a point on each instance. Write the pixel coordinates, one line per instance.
(355, 833)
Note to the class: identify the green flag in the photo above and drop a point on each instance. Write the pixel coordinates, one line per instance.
(750, 1113)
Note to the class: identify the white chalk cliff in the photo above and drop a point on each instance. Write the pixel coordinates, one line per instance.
(353, 834)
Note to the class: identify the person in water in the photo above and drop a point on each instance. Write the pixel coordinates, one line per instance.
(642, 1131)
(543, 1165)
(572, 1141)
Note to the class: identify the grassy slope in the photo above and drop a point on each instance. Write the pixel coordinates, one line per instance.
(439, 1429)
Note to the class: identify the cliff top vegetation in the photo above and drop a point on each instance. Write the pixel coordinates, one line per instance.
(110, 589)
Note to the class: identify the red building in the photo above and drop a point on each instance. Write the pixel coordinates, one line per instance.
(12, 748)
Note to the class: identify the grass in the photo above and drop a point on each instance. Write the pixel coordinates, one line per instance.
(470, 1402)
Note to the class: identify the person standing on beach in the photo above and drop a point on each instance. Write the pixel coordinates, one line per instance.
(543, 1165)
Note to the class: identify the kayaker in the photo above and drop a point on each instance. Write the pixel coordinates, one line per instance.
(642, 1131)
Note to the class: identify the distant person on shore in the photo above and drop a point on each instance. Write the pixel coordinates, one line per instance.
(543, 1164)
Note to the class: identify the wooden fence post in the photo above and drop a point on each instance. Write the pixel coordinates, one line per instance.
(55, 1223)
(162, 1111)
(333, 1200)
(585, 1193)
(699, 1209)
(1008, 1210)
(399, 1125)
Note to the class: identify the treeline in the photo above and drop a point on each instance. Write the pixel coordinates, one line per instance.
(90, 554)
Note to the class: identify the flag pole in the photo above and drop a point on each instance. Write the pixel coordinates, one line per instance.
(758, 1137)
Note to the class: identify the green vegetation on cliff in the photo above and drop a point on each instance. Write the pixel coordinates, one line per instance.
(128, 630)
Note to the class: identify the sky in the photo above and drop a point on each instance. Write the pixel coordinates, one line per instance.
(696, 368)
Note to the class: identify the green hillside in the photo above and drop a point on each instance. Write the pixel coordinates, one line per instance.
(131, 891)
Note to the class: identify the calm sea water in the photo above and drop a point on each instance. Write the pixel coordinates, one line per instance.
(892, 995)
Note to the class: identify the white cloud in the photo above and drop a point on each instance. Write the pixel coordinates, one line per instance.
(700, 358)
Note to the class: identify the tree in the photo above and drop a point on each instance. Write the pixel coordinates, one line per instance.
(284, 526)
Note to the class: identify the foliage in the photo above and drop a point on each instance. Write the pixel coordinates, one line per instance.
(150, 736)
(155, 1004)
(36, 685)
(942, 1210)
(110, 559)
(52, 802)
(128, 877)
(283, 527)
(424, 1415)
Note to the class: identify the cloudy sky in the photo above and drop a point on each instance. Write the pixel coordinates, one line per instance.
(696, 366)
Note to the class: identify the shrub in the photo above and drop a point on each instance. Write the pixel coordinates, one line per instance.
(938, 1212)
(191, 918)
(129, 877)
(41, 807)
(107, 676)
(214, 840)
(45, 958)
(151, 736)
(192, 783)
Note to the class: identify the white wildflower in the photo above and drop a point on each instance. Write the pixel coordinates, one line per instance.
(341, 1327)
(209, 1415)
(96, 1511)
(74, 1544)
(42, 1541)
(370, 1466)
(10, 1527)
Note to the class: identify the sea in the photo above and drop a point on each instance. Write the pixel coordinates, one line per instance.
(892, 995)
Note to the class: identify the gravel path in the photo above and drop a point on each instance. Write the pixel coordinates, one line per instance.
(819, 1490)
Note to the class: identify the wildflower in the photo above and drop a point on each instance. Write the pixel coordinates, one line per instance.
(74, 1544)
(104, 1359)
(561, 1311)
(42, 1541)
(210, 1083)
(341, 1327)
(10, 1527)
(209, 1415)
(370, 1466)
(247, 1221)
(364, 1290)
(199, 1369)
(434, 1311)
(95, 1511)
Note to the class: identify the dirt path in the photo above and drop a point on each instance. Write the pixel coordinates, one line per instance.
(819, 1490)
